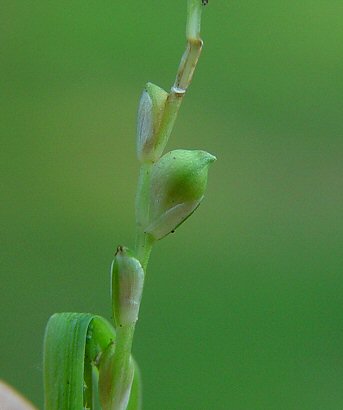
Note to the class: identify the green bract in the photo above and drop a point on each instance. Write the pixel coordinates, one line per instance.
(127, 287)
(178, 183)
(150, 111)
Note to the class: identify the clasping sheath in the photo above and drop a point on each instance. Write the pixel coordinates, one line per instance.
(115, 379)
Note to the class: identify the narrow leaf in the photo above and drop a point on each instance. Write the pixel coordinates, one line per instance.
(72, 345)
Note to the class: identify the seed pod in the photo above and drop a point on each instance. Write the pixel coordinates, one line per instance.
(127, 287)
(150, 111)
(178, 183)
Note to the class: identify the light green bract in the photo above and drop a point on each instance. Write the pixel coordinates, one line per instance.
(150, 112)
(127, 276)
(178, 183)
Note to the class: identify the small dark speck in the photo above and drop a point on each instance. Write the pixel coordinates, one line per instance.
(204, 2)
(172, 231)
(174, 157)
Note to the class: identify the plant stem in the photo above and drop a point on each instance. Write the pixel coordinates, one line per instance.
(120, 370)
(122, 359)
(144, 241)
(124, 343)
(185, 71)
(122, 365)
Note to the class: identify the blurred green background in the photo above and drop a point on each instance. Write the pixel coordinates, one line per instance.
(243, 306)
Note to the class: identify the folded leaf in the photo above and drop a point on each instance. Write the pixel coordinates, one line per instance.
(72, 346)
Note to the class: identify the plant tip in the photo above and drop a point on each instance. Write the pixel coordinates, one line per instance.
(119, 250)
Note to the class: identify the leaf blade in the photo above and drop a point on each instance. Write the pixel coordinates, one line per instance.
(71, 345)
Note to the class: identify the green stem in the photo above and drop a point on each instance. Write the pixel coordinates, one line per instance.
(184, 74)
(124, 343)
(122, 363)
(194, 9)
(142, 196)
(187, 66)
(123, 353)
(117, 370)
(144, 241)
(95, 393)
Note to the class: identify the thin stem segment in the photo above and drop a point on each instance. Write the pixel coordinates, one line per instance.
(184, 73)
(144, 241)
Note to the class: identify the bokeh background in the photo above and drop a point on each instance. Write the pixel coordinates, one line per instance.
(243, 306)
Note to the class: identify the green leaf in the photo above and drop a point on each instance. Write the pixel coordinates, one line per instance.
(72, 347)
